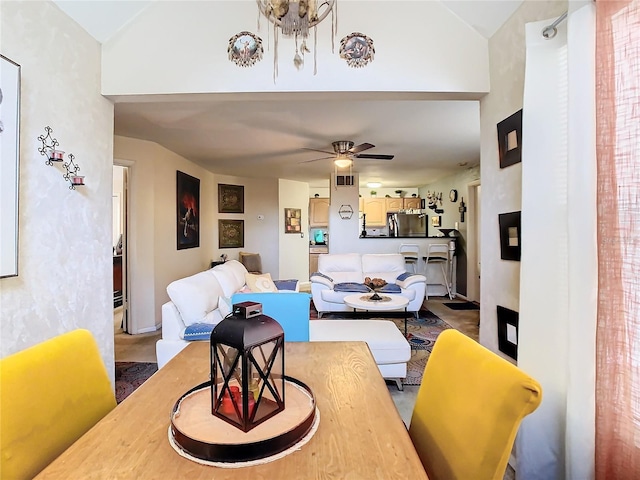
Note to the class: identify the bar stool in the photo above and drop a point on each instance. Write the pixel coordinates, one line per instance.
(411, 253)
(438, 254)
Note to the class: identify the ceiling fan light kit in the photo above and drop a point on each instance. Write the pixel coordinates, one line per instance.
(345, 151)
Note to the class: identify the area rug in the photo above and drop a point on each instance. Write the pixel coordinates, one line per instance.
(421, 334)
(130, 375)
(462, 305)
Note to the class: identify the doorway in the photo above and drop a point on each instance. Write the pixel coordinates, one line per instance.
(473, 241)
(120, 241)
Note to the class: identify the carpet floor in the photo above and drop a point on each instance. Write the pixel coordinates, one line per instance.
(130, 375)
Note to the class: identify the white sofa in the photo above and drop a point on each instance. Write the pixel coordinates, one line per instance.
(335, 269)
(201, 298)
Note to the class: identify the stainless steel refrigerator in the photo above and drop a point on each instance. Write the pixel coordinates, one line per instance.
(407, 224)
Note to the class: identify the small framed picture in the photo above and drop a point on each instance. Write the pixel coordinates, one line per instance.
(510, 140)
(510, 236)
(230, 198)
(292, 220)
(436, 221)
(230, 233)
(508, 331)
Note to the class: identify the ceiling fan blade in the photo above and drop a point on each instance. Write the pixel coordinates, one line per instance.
(374, 156)
(361, 148)
(316, 159)
(321, 151)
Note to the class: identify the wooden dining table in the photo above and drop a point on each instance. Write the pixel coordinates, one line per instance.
(360, 434)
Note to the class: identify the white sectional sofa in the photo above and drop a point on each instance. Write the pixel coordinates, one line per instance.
(336, 270)
(207, 297)
(201, 298)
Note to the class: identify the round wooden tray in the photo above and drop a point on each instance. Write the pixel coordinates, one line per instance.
(199, 434)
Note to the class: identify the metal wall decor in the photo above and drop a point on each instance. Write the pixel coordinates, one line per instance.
(50, 150)
(508, 331)
(357, 49)
(345, 212)
(245, 49)
(510, 236)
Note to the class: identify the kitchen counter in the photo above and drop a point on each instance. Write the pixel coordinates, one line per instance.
(413, 238)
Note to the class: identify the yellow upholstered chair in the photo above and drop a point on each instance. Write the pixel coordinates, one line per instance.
(468, 410)
(50, 395)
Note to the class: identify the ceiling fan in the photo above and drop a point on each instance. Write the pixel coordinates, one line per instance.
(344, 151)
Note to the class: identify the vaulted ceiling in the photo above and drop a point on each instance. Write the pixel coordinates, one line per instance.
(267, 138)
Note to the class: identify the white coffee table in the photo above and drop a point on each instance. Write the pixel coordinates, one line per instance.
(389, 302)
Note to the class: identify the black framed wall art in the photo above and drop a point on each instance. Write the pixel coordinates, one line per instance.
(230, 198)
(230, 233)
(188, 208)
(510, 236)
(510, 140)
(508, 331)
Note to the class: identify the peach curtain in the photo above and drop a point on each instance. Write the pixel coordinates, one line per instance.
(618, 195)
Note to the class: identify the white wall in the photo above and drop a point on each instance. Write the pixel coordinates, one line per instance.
(502, 188)
(293, 247)
(154, 260)
(65, 251)
(155, 51)
(260, 236)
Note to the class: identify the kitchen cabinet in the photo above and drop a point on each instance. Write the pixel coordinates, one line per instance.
(318, 212)
(413, 202)
(376, 211)
(395, 204)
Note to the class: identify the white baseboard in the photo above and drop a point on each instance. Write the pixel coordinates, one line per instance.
(155, 328)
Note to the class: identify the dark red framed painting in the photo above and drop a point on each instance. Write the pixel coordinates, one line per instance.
(188, 211)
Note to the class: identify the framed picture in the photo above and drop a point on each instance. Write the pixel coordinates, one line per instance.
(230, 198)
(510, 140)
(9, 165)
(230, 233)
(188, 208)
(510, 237)
(508, 331)
(292, 220)
(436, 221)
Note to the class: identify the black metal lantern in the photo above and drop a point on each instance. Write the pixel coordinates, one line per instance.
(247, 367)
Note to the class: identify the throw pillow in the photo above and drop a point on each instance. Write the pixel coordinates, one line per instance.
(322, 275)
(286, 284)
(251, 261)
(390, 288)
(350, 287)
(404, 276)
(260, 283)
(198, 331)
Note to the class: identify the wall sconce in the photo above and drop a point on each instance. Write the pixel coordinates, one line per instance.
(72, 173)
(54, 155)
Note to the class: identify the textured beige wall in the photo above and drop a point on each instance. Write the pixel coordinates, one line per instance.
(502, 188)
(65, 251)
(153, 257)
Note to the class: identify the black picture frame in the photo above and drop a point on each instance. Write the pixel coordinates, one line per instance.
(510, 236)
(230, 233)
(510, 140)
(188, 211)
(230, 198)
(508, 331)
